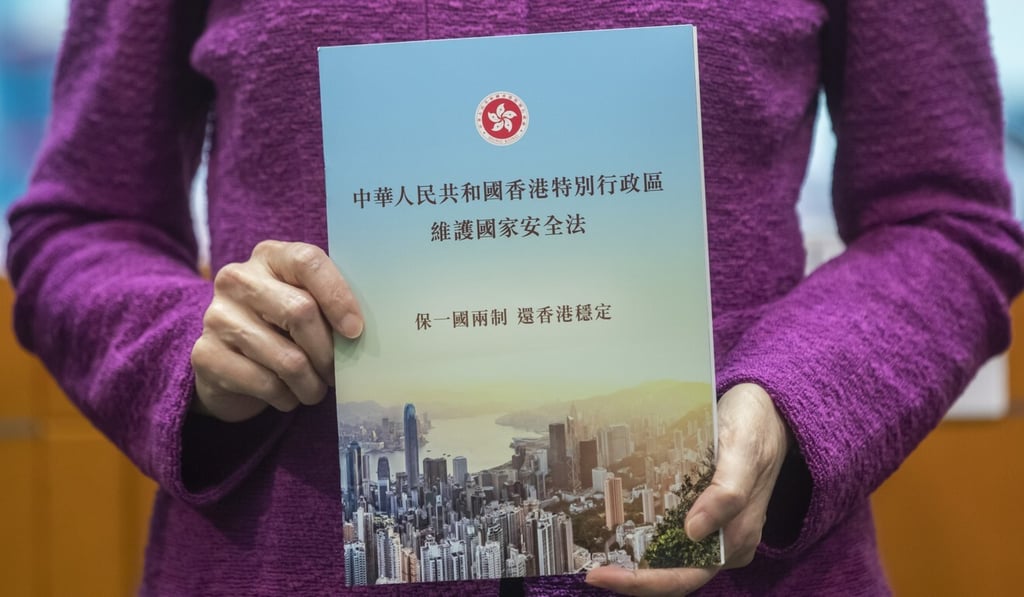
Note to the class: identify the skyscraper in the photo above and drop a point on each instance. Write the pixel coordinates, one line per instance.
(619, 443)
(459, 561)
(412, 446)
(354, 475)
(587, 460)
(432, 562)
(410, 567)
(515, 565)
(461, 469)
(487, 561)
(564, 544)
(355, 564)
(435, 473)
(614, 508)
(389, 554)
(546, 559)
(383, 469)
(557, 455)
(597, 477)
(648, 498)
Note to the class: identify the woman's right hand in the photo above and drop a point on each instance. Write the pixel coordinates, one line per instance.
(267, 334)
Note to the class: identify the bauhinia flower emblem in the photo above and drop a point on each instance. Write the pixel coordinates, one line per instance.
(502, 118)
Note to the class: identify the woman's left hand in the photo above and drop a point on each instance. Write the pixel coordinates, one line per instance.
(753, 441)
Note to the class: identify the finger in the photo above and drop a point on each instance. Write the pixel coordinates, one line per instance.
(240, 330)
(229, 374)
(650, 582)
(742, 536)
(727, 496)
(289, 308)
(308, 267)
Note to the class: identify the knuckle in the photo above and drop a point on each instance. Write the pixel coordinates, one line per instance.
(229, 277)
(263, 248)
(214, 317)
(308, 257)
(201, 353)
(291, 364)
(344, 297)
(268, 388)
(299, 308)
(731, 497)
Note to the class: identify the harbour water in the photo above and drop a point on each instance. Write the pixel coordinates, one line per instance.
(484, 443)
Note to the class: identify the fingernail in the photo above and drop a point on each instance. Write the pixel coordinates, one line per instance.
(699, 526)
(352, 326)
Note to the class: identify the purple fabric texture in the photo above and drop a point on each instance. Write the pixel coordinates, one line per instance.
(862, 357)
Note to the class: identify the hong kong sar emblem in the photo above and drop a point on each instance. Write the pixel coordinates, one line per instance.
(502, 118)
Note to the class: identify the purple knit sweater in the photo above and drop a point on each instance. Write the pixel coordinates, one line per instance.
(862, 358)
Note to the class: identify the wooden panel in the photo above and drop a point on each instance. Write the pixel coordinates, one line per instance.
(15, 364)
(83, 496)
(950, 520)
(1017, 353)
(18, 541)
(137, 506)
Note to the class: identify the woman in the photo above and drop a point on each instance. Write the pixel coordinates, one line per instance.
(217, 390)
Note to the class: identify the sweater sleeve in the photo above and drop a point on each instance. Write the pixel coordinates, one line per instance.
(865, 356)
(102, 253)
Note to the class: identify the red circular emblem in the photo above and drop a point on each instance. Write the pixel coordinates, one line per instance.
(502, 118)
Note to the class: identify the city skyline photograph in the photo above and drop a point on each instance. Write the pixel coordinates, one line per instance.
(553, 489)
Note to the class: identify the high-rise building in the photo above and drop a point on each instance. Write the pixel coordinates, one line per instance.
(389, 555)
(459, 558)
(487, 561)
(383, 497)
(541, 461)
(603, 440)
(353, 475)
(614, 507)
(619, 443)
(412, 446)
(557, 455)
(461, 469)
(671, 500)
(647, 495)
(546, 560)
(410, 565)
(435, 474)
(355, 564)
(563, 544)
(571, 448)
(642, 538)
(515, 565)
(597, 477)
(587, 457)
(432, 562)
(679, 443)
(383, 469)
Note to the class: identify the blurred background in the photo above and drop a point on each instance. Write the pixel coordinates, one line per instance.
(73, 512)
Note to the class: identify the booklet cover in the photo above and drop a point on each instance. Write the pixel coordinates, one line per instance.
(522, 220)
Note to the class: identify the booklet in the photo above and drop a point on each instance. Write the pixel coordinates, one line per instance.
(522, 220)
